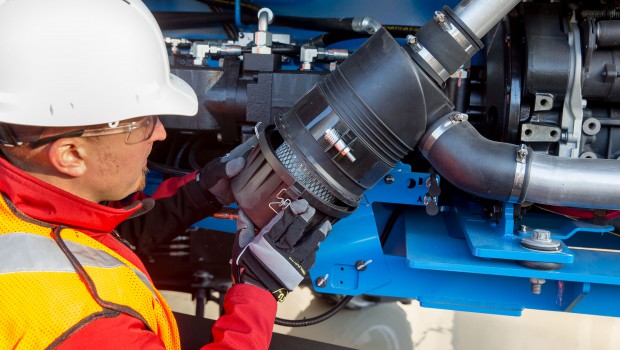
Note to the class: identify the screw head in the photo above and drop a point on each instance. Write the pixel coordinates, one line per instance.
(321, 282)
(389, 179)
(360, 265)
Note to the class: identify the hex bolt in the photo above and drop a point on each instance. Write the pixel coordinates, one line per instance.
(537, 285)
(541, 235)
(523, 229)
(321, 281)
(389, 179)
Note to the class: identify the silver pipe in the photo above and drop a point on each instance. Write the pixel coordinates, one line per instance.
(503, 171)
(574, 182)
(265, 17)
(482, 15)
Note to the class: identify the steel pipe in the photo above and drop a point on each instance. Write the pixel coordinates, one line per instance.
(482, 15)
(503, 171)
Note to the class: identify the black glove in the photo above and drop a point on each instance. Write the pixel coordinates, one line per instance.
(279, 257)
(215, 178)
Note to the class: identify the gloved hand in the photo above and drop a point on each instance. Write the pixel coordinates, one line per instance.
(279, 257)
(215, 178)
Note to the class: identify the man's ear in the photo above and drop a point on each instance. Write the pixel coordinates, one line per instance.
(68, 156)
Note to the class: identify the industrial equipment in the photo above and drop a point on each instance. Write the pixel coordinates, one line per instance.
(469, 155)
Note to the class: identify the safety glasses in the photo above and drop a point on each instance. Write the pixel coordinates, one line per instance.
(137, 131)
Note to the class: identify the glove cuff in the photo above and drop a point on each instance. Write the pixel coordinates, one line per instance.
(255, 274)
(201, 197)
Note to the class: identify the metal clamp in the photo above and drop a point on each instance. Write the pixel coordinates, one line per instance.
(428, 140)
(428, 57)
(517, 184)
(441, 19)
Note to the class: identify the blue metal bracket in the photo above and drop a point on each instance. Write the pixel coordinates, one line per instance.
(356, 237)
(498, 241)
(489, 240)
(561, 227)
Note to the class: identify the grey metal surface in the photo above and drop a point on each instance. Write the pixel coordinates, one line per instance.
(582, 183)
(572, 113)
(482, 15)
(540, 133)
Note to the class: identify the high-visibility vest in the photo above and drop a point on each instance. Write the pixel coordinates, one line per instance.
(54, 280)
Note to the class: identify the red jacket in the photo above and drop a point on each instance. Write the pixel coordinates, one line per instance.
(249, 310)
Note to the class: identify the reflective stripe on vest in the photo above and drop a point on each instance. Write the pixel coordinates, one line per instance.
(20, 252)
(43, 299)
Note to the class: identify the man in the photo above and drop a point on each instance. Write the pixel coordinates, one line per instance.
(82, 83)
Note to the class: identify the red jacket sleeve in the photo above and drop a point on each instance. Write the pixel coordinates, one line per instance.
(247, 324)
(248, 319)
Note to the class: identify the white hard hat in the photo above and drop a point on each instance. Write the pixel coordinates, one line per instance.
(85, 62)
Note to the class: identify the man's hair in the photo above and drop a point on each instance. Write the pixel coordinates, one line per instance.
(23, 156)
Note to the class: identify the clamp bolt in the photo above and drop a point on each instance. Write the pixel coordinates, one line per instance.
(458, 118)
(440, 18)
(413, 42)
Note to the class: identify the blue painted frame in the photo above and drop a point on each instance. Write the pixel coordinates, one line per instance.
(439, 266)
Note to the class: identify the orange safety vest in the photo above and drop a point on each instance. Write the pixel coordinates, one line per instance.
(54, 280)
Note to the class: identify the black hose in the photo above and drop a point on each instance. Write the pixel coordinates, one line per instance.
(332, 25)
(314, 320)
(320, 24)
(188, 20)
(286, 50)
(327, 39)
(230, 28)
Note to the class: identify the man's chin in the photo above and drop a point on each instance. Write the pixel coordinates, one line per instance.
(142, 184)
